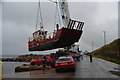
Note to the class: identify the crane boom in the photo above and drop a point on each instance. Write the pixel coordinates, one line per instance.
(53, 1)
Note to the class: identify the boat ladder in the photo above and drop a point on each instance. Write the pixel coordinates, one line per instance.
(73, 24)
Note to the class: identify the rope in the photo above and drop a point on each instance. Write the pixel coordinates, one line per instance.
(39, 14)
(55, 17)
(57, 14)
(37, 19)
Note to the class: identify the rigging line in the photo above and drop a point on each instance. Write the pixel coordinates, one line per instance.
(59, 15)
(37, 19)
(55, 17)
(41, 16)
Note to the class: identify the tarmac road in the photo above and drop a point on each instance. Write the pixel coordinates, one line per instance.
(85, 69)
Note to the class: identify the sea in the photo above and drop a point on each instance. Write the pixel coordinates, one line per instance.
(9, 67)
(10, 56)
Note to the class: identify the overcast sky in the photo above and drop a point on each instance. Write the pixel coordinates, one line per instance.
(19, 19)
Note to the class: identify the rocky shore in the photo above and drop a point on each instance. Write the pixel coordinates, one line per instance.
(23, 58)
(29, 57)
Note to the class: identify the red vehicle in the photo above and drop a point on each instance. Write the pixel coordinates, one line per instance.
(39, 61)
(65, 62)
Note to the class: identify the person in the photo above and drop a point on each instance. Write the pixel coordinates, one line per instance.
(44, 63)
(57, 27)
(49, 63)
(91, 58)
(81, 56)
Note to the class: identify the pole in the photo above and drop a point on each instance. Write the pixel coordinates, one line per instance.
(1, 75)
(104, 37)
(92, 46)
(30, 69)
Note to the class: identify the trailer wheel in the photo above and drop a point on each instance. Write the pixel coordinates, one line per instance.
(74, 70)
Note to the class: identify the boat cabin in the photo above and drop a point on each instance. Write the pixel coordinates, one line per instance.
(39, 35)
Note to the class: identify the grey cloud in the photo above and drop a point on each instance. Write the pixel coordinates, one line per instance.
(19, 21)
(97, 17)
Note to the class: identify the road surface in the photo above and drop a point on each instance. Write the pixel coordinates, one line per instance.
(85, 69)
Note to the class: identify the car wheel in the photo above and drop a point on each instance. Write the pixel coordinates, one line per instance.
(74, 70)
(33, 63)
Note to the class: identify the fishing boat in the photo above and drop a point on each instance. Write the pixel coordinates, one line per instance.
(62, 36)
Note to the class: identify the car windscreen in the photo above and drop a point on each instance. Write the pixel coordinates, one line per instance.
(64, 58)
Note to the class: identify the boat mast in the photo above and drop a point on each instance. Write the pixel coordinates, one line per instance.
(39, 15)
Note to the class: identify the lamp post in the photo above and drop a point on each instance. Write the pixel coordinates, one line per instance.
(92, 45)
(104, 37)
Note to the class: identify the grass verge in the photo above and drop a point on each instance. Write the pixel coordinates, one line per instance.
(108, 59)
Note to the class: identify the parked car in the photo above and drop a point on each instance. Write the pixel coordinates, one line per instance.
(39, 61)
(61, 54)
(65, 62)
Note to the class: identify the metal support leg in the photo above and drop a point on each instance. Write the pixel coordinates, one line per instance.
(1, 76)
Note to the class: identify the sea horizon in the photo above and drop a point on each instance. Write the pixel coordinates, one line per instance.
(15, 56)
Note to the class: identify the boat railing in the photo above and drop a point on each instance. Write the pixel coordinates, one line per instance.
(51, 35)
(46, 37)
(31, 39)
(73, 24)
